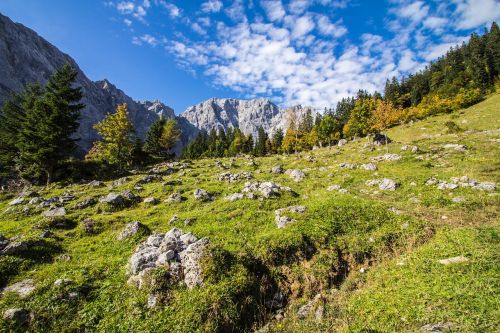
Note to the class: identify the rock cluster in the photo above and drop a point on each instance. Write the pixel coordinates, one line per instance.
(178, 252)
(386, 157)
(202, 195)
(464, 181)
(283, 220)
(234, 177)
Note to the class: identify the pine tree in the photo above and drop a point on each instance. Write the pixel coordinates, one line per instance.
(117, 143)
(277, 140)
(152, 144)
(260, 144)
(45, 137)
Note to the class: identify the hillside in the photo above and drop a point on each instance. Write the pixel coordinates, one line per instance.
(357, 247)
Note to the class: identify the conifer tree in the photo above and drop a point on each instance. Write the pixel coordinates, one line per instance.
(45, 137)
(152, 144)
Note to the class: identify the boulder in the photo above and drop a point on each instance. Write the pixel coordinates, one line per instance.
(190, 261)
(95, 183)
(175, 197)
(14, 248)
(455, 146)
(410, 148)
(119, 181)
(453, 260)
(132, 229)
(149, 179)
(347, 166)
(150, 201)
(387, 184)
(23, 288)
(17, 201)
(386, 157)
(63, 282)
(235, 197)
(342, 142)
(89, 226)
(17, 316)
(55, 212)
(368, 166)
(113, 199)
(296, 174)
(202, 195)
(277, 169)
(86, 203)
(180, 253)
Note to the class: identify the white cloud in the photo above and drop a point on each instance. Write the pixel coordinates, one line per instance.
(173, 10)
(274, 9)
(414, 11)
(407, 62)
(127, 22)
(125, 7)
(325, 27)
(198, 29)
(211, 6)
(434, 22)
(236, 11)
(299, 6)
(148, 39)
(301, 26)
(474, 13)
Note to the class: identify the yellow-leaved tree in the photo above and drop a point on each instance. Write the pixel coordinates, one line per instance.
(117, 144)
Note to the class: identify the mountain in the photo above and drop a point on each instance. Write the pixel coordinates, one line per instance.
(25, 57)
(248, 115)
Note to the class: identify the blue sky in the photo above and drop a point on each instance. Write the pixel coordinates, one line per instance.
(309, 52)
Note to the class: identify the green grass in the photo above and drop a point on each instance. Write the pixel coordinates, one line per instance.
(320, 252)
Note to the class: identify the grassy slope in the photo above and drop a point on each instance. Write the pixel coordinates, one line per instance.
(303, 259)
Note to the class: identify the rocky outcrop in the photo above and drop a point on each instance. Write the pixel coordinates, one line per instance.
(247, 115)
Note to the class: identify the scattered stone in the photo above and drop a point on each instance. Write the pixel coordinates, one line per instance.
(203, 195)
(131, 229)
(368, 166)
(18, 316)
(35, 201)
(190, 260)
(487, 186)
(431, 181)
(119, 181)
(235, 197)
(455, 146)
(113, 199)
(64, 257)
(86, 203)
(386, 157)
(173, 220)
(437, 328)
(347, 166)
(234, 177)
(446, 186)
(342, 142)
(153, 301)
(89, 226)
(395, 211)
(277, 169)
(414, 200)
(149, 179)
(388, 185)
(264, 189)
(17, 201)
(63, 282)
(175, 197)
(150, 201)
(47, 234)
(55, 212)
(296, 174)
(453, 260)
(15, 248)
(95, 183)
(282, 220)
(410, 148)
(332, 188)
(23, 288)
(458, 199)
